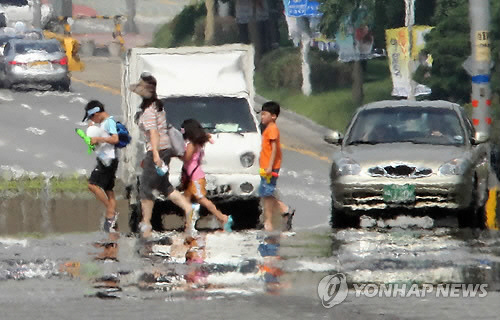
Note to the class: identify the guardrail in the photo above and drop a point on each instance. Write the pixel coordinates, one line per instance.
(117, 20)
(71, 47)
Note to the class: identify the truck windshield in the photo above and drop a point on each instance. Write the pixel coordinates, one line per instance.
(216, 114)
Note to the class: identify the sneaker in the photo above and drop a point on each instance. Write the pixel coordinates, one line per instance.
(110, 224)
(287, 218)
(228, 226)
(143, 227)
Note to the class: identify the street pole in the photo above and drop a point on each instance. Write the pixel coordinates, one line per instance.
(67, 8)
(37, 14)
(409, 22)
(479, 67)
(130, 26)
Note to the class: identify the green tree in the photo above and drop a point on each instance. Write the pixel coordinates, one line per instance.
(384, 13)
(449, 44)
(334, 12)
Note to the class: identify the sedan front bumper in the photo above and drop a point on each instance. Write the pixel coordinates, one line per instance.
(448, 192)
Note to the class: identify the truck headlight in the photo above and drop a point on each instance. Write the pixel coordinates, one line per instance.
(348, 167)
(453, 167)
(247, 159)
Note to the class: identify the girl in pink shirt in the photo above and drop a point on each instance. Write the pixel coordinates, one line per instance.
(193, 178)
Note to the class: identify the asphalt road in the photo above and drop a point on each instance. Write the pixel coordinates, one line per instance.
(37, 134)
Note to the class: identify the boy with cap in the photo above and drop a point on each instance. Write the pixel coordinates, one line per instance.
(102, 178)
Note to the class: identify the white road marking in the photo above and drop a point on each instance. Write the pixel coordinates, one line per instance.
(79, 100)
(45, 112)
(2, 143)
(52, 93)
(20, 150)
(39, 155)
(24, 105)
(60, 164)
(36, 131)
(6, 96)
(63, 117)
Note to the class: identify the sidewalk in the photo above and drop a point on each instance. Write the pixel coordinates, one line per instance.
(105, 71)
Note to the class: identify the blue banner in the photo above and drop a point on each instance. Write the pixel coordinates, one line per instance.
(302, 8)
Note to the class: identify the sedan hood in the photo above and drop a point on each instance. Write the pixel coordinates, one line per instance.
(417, 154)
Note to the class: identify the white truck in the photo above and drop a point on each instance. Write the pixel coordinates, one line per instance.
(215, 86)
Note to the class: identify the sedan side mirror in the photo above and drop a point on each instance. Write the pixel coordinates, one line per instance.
(334, 137)
(478, 139)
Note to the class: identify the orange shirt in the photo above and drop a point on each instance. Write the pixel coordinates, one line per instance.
(271, 133)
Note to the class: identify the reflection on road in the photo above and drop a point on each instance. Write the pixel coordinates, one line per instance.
(217, 264)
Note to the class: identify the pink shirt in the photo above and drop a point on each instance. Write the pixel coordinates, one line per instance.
(193, 166)
(153, 119)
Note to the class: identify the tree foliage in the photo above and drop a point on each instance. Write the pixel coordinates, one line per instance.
(449, 44)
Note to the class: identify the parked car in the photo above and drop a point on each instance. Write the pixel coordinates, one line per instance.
(34, 62)
(215, 86)
(409, 157)
(7, 34)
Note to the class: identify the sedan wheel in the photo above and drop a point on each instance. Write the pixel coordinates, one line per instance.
(340, 218)
(473, 217)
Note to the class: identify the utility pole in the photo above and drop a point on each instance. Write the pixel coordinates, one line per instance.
(67, 8)
(130, 26)
(37, 14)
(479, 65)
(409, 22)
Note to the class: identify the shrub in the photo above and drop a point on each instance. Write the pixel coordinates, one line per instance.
(283, 69)
(226, 31)
(181, 29)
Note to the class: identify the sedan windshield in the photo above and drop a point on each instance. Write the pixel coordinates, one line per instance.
(421, 125)
(216, 114)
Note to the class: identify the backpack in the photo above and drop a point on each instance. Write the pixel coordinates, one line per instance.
(176, 140)
(124, 137)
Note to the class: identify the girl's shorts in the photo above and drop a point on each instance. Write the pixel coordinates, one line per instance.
(196, 189)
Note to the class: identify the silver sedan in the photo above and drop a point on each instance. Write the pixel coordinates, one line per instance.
(411, 156)
(34, 62)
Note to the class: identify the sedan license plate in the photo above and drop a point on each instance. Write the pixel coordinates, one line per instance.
(38, 64)
(394, 193)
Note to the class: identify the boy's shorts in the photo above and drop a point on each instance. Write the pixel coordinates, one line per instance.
(268, 189)
(196, 189)
(104, 176)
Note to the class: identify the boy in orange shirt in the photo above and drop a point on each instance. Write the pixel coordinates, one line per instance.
(270, 164)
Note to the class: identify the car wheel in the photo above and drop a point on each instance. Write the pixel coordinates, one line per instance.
(6, 84)
(64, 85)
(340, 218)
(473, 217)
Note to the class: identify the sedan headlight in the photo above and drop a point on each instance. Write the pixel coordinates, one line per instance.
(247, 159)
(453, 167)
(347, 166)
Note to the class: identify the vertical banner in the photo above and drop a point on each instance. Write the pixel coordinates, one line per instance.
(354, 37)
(398, 52)
(399, 55)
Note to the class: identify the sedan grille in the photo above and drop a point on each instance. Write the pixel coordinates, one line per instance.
(399, 171)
